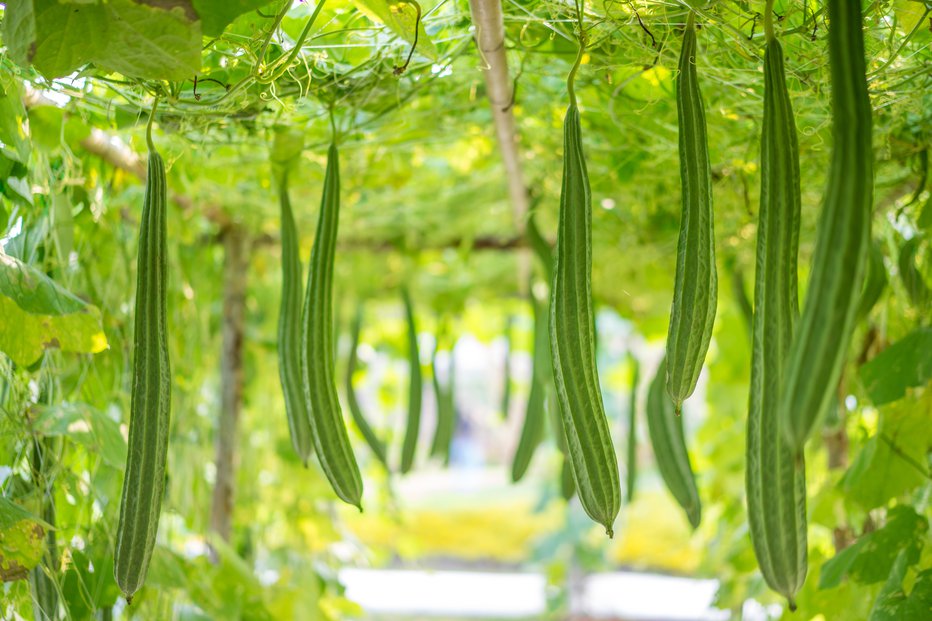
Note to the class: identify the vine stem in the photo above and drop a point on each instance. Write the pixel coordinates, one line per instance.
(278, 20)
(571, 78)
(768, 21)
(280, 67)
(149, 143)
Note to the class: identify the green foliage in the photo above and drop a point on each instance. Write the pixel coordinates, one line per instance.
(39, 314)
(905, 364)
(21, 540)
(137, 39)
(424, 202)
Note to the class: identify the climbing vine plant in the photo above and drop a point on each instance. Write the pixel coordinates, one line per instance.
(250, 94)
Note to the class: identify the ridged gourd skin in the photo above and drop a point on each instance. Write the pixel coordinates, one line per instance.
(289, 332)
(535, 416)
(415, 387)
(916, 287)
(446, 407)
(588, 440)
(150, 408)
(632, 469)
(506, 374)
(820, 345)
(328, 431)
(874, 282)
(695, 292)
(544, 252)
(776, 481)
(665, 429)
(375, 445)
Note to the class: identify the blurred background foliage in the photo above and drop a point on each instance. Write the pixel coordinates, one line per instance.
(424, 203)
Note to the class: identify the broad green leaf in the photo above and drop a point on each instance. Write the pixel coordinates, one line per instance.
(891, 596)
(53, 36)
(146, 41)
(919, 602)
(905, 364)
(136, 38)
(87, 426)
(400, 17)
(892, 461)
(216, 15)
(836, 568)
(13, 140)
(21, 541)
(38, 314)
(33, 291)
(24, 336)
(875, 555)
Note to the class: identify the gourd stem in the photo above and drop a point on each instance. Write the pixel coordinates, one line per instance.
(149, 143)
(286, 6)
(768, 21)
(571, 78)
(281, 66)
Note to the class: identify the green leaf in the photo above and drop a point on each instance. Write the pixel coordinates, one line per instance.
(87, 426)
(905, 364)
(892, 461)
(146, 41)
(14, 143)
(138, 38)
(38, 314)
(919, 602)
(53, 36)
(33, 291)
(21, 541)
(400, 17)
(891, 596)
(875, 555)
(836, 568)
(216, 15)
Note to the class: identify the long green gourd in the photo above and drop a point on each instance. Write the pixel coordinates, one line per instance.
(506, 390)
(665, 429)
(150, 408)
(375, 445)
(916, 287)
(589, 442)
(552, 409)
(820, 344)
(696, 286)
(446, 408)
(289, 332)
(331, 441)
(540, 246)
(632, 469)
(413, 426)
(776, 482)
(874, 282)
(544, 252)
(535, 417)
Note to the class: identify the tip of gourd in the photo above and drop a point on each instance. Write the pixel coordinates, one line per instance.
(791, 603)
(128, 598)
(609, 532)
(678, 408)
